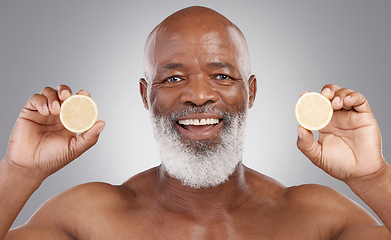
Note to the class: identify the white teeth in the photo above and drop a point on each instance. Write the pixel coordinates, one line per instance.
(204, 121)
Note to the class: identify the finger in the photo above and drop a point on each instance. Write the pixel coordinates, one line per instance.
(39, 103)
(84, 92)
(52, 99)
(329, 90)
(308, 146)
(63, 92)
(87, 139)
(338, 100)
(357, 101)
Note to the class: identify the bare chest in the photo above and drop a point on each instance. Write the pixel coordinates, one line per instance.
(226, 226)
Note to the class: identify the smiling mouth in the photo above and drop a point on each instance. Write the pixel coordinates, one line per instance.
(199, 128)
(194, 124)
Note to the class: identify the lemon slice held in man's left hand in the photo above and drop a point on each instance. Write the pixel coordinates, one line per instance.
(313, 111)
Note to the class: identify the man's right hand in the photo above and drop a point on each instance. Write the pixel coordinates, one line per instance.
(39, 143)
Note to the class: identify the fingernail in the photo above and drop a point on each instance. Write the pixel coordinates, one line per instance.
(100, 130)
(326, 91)
(65, 93)
(56, 105)
(347, 98)
(337, 100)
(299, 132)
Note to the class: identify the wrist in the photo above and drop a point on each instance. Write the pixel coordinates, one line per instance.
(20, 175)
(378, 179)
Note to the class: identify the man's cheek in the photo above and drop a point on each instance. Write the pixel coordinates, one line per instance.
(163, 102)
(235, 98)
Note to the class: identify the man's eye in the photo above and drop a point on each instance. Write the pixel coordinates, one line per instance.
(222, 77)
(173, 79)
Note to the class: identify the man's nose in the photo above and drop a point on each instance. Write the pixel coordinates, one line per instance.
(198, 91)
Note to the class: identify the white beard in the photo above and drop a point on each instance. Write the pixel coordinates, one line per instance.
(200, 164)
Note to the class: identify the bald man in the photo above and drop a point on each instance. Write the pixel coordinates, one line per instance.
(198, 87)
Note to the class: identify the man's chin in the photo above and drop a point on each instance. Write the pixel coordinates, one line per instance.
(200, 147)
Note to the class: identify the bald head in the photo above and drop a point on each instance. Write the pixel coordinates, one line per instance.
(194, 25)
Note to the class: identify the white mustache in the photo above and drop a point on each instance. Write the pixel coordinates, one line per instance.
(203, 109)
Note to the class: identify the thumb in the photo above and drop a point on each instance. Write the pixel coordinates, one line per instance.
(308, 146)
(86, 140)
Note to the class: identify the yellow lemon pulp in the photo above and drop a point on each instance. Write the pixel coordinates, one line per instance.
(78, 113)
(313, 111)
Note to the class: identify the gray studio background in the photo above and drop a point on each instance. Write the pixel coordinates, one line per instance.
(97, 45)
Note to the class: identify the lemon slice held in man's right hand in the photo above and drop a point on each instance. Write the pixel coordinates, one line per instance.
(313, 111)
(78, 113)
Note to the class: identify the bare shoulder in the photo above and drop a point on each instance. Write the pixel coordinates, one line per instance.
(322, 200)
(344, 216)
(302, 194)
(87, 196)
(321, 210)
(98, 199)
(76, 212)
(307, 196)
(315, 194)
(92, 194)
(326, 199)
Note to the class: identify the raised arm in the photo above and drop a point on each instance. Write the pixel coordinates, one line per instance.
(39, 146)
(350, 149)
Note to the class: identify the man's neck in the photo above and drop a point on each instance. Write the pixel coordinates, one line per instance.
(193, 202)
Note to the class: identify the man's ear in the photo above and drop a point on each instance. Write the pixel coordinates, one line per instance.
(144, 92)
(252, 87)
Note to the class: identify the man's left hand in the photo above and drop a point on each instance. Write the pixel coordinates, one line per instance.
(350, 146)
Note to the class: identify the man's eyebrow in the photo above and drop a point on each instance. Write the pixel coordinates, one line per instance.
(221, 65)
(170, 66)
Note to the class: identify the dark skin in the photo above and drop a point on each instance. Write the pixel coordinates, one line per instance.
(194, 62)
